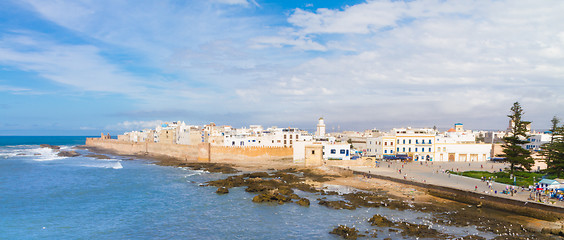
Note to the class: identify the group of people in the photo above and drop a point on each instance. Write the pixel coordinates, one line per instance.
(545, 194)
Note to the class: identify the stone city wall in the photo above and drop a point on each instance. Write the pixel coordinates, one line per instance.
(235, 154)
(202, 152)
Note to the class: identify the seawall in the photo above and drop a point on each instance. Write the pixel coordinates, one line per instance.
(202, 152)
(531, 209)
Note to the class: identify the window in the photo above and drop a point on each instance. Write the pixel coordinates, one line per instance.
(398, 141)
(342, 151)
(430, 141)
(422, 149)
(385, 143)
(415, 149)
(391, 143)
(404, 141)
(290, 136)
(438, 149)
(410, 149)
(391, 151)
(397, 150)
(333, 151)
(403, 150)
(410, 142)
(444, 149)
(290, 141)
(430, 150)
(416, 141)
(312, 151)
(284, 141)
(385, 151)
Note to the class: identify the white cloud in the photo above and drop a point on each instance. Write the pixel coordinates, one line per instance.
(135, 125)
(79, 66)
(380, 59)
(238, 2)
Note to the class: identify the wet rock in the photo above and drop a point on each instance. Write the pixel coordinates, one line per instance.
(366, 199)
(68, 154)
(222, 190)
(271, 197)
(380, 221)
(210, 167)
(420, 231)
(346, 232)
(285, 190)
(54, 147)
(98, 156)
(36, 154)
(554, 231)
(294, 196)
(258, 175)
(229, 182)
(287, 177)
(304, 187)
(303, 202)
(471, 237)
(336, 204)
(82, 147)
(258, 188)
(20, 154)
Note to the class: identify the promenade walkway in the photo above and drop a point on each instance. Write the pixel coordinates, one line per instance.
(434, 173)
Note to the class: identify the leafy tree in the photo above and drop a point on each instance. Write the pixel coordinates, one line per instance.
(554, 150)
(513, 153)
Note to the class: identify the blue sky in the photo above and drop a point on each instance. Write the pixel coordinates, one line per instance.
(81, 67)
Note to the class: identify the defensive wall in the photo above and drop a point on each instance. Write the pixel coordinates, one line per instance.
(531, 209)
(202, 152)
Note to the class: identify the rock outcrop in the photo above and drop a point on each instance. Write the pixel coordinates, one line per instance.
(222, 190)
(98, 156)
(68, 154)
(50, 146)
(346, 232)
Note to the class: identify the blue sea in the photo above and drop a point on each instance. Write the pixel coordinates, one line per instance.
(43, 196)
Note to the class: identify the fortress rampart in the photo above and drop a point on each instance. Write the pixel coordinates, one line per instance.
(202, 152)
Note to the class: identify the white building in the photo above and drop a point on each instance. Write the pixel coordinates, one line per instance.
(320, 128)
(336, 151)
(271, 137)
(331, 151)
(536, 140)
(404, 143)
(426, 144)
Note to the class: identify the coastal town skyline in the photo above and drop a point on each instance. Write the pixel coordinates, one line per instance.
(79, 67)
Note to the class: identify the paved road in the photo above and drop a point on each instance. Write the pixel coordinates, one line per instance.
(434, 173)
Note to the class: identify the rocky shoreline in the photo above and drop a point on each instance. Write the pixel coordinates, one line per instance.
(276, 186)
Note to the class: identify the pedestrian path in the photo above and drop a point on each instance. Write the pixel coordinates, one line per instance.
(436, 173)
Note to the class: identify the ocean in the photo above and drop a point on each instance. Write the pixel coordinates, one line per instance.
(43, 196)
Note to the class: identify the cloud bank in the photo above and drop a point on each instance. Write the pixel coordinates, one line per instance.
(374, 64)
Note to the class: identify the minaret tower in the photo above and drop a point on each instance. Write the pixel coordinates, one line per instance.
(320, 128)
